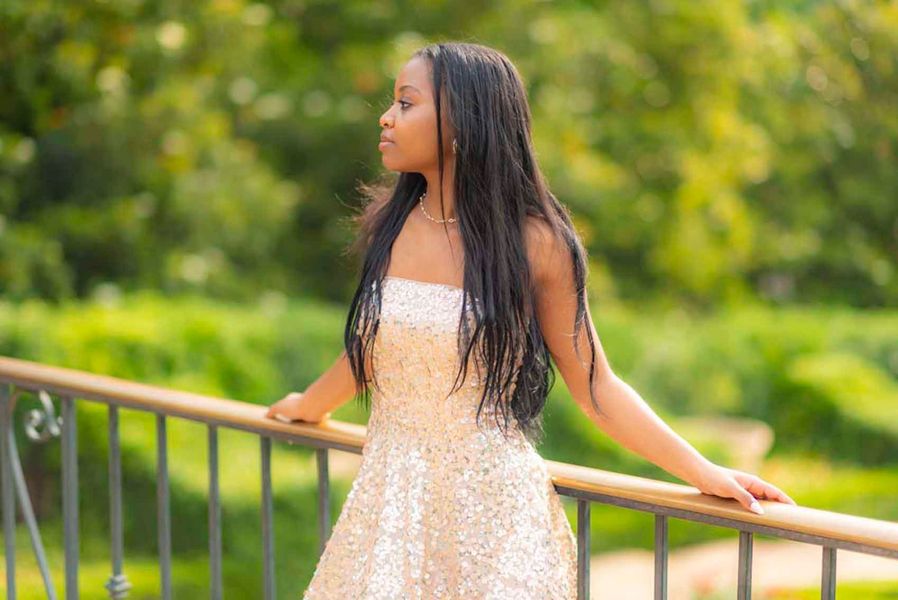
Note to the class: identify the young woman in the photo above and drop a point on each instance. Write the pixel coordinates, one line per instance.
(473, 278)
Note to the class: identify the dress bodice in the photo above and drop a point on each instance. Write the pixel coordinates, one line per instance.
(416, 358)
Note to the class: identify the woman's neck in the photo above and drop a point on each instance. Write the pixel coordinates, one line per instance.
(432, 199)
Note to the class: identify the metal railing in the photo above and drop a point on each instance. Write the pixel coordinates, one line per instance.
(831, 531)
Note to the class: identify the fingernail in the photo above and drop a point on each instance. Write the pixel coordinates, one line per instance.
(755, 506)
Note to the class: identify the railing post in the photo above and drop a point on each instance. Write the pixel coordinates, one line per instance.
(583, 520)
(214, 518)
(70, 496)
(324, 497)
(267, 520)
(660, 557)
(828, 579)
(745, 551)
(163, 513)
(118, 584)
(9, 499)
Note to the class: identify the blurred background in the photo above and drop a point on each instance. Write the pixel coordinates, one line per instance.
(176, 180)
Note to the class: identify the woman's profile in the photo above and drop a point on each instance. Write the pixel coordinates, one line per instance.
(472, 282)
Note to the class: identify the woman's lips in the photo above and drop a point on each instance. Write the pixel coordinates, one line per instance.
(383, 145)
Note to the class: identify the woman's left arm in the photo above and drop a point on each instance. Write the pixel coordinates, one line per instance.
(624, 416)
(629, 420)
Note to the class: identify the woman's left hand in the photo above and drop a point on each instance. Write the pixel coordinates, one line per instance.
(744, 487)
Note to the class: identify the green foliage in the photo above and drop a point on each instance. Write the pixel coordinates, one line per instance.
(849, 401)
(780, 366)
(117, 147)
(711, 151)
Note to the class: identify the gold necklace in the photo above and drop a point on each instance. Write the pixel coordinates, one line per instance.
(421, 202)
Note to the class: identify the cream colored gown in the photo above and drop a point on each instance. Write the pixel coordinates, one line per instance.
(440, 509)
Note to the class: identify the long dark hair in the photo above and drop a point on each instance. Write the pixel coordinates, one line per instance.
(498, 185)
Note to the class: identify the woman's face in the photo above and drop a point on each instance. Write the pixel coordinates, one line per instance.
(410, 123)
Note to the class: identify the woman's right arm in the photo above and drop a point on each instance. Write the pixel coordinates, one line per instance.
(335, 387)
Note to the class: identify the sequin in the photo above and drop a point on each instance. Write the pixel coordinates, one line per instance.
(442, 509)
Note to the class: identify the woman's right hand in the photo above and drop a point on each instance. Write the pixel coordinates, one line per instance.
(293, 407)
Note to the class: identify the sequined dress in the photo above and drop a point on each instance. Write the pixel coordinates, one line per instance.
(440, 509)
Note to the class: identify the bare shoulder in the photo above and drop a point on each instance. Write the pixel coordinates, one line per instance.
(544, 247)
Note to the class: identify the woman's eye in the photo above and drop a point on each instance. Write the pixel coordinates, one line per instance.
(388, 102)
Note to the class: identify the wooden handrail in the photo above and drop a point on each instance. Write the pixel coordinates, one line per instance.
(798, 519)
(350, 437)
(197, 407)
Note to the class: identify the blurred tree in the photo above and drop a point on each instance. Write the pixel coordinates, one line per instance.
(711, 151)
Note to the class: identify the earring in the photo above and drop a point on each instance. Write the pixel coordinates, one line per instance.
(454, 146)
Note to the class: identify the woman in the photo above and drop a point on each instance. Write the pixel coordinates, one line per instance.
(468, 257)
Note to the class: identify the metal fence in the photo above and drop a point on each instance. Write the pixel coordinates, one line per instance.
(831, 531)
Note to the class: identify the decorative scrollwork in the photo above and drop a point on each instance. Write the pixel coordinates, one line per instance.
(50, 423)
(41, 423)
